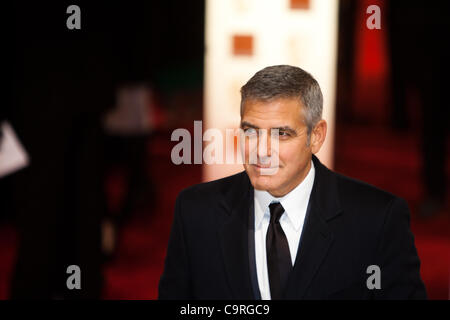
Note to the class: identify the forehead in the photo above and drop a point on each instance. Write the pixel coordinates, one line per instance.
(276, 112)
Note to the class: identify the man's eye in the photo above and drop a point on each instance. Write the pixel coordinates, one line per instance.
(250, 131)
(283, 134)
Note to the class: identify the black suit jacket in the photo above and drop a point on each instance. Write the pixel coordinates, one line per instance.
(349, 226)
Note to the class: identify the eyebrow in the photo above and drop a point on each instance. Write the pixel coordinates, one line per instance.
(283, 128)
(248, 124)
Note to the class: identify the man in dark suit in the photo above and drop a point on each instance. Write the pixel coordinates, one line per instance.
(288, 227)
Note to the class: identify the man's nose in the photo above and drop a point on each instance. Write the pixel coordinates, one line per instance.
(264, 144)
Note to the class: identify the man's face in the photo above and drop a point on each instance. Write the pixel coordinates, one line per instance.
(294, 154)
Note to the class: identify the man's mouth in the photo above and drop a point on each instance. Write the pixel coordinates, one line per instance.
(263, 166)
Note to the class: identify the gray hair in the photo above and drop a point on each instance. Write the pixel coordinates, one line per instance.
(284, 81)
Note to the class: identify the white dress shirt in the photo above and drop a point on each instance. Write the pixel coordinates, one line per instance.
(295, 204)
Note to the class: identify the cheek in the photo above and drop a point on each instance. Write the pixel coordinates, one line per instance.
(249, 147)
(292, 155)
(288, 154)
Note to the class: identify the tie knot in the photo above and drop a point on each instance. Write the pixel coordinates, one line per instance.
(276, 211)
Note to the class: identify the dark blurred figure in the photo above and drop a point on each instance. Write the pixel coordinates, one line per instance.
(420, 57)
(62, 85)
(64, 82)
(128, 127)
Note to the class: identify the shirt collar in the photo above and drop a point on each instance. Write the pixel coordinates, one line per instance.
(294, 203)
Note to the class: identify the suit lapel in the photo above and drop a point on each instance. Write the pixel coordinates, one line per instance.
(234, 240)
(315, 242)
(316, 237)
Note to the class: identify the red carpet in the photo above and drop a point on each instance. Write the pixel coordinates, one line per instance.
(135, 272)
(392, 162)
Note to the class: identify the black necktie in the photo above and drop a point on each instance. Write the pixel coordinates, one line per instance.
(279, 262)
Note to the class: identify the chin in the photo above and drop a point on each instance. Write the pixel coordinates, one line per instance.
(261, 182)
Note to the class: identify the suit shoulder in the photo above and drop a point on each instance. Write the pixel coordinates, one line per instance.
(352, 190)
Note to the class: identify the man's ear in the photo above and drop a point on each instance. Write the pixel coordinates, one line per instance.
(318, 135)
